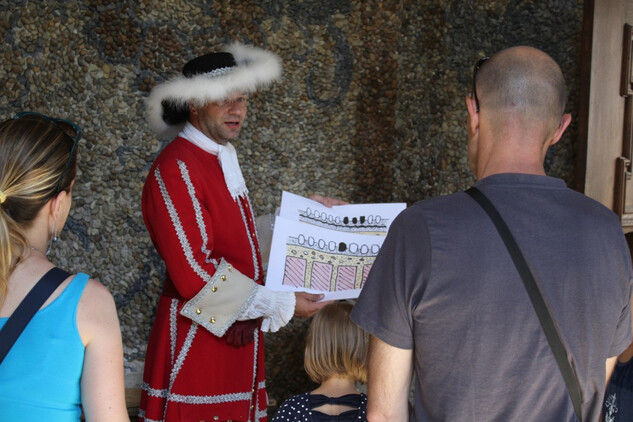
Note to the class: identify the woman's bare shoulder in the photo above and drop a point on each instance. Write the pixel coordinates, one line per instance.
(96, 312)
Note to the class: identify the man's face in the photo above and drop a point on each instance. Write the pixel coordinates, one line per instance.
(221, 121)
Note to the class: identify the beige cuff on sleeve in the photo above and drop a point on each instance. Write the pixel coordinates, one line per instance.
(222, 300)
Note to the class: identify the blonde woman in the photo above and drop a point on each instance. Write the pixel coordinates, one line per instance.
(69, 355)
(336, 358)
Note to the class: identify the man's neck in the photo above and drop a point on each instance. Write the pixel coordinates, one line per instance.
(511, 156)
(522, 169)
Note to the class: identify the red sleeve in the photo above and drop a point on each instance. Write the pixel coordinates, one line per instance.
(179, 225)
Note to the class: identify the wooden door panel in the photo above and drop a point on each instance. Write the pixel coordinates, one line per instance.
(623, 188)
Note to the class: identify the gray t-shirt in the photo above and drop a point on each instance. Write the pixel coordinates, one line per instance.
(445, 286)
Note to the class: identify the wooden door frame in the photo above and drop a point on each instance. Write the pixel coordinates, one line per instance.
(601, 106)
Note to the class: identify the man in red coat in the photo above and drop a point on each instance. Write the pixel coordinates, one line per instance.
(205, 357)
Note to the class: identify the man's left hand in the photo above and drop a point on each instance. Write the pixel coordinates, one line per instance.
(242, 332)
(327, 201)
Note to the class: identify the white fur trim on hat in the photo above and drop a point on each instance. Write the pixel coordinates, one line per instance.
(255, 68)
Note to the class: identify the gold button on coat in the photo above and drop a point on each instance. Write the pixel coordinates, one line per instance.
(214, 289)
(212, 320)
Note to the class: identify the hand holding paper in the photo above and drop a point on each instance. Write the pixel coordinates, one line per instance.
(327, 201)
(308, 304)
(326, 250)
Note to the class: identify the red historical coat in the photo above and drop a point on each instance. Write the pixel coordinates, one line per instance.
(190, 373)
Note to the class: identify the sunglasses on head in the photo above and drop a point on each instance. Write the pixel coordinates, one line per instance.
(69, 128)
(478, 65)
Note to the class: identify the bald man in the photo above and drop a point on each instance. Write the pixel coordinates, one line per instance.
(445, 301)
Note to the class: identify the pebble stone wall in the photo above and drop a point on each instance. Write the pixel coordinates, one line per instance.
(370, 109)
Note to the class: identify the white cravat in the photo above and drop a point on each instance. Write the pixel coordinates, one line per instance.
(226, 156)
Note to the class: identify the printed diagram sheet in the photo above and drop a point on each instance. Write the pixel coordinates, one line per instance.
(326, 250)
(353, 218)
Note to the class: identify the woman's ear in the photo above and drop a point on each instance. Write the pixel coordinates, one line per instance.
(56, 203)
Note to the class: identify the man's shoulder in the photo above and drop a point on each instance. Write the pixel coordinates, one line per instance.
(177, 147)
(453, 203)
(595, 207)
(176, 158)
(449, 210)
(180, 150)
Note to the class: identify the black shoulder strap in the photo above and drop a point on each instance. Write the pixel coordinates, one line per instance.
(544, 316)
(28, 307)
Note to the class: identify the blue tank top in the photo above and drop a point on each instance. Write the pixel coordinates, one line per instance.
(39, 377)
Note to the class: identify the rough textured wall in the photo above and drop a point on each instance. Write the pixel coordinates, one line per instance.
(370, 108)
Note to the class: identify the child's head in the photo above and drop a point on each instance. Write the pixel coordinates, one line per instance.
(335, 345)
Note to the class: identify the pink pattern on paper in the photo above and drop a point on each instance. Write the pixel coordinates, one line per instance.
(345, 278)
(294, 272)
(366, 269)
(321, 274)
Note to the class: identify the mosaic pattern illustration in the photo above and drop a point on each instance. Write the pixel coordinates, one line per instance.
(366, 224)
(327, 249)
(327, 265)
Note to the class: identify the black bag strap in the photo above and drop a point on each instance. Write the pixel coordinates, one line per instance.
(28, 307)
(544, 316)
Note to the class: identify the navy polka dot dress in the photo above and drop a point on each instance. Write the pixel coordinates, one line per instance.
(299, 408)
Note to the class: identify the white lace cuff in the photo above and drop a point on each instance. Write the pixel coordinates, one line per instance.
(277, 308)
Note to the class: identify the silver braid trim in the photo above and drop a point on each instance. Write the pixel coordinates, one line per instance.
(173, 328)
(255, 354)
(260, 414)
(193, 399)
(183, 353)
(180, 232)
(219, 72)
(141, 415)
(248, 232)
(198, 211)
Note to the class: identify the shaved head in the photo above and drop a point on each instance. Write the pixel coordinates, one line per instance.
(523, 84)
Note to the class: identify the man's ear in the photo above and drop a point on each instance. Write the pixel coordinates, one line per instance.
(473, 115)
(192, 108)
(565, 120)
